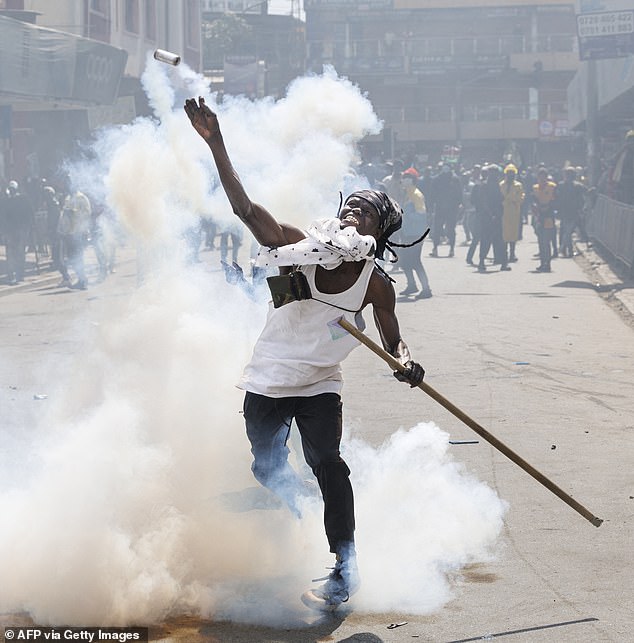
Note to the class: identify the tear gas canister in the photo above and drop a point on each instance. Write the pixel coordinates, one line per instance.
(167, 57)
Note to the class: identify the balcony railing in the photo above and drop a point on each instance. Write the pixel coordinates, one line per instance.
(611, 223)
(470, 113)
(413, 54)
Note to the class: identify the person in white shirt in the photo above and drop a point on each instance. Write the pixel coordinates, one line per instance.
(328, 271)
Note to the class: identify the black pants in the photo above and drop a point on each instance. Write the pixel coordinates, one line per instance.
(16, 254)
(475, 225)
(491, 235)
(444, 224)
(319, 419)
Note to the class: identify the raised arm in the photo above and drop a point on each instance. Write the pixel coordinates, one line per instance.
(265, 228)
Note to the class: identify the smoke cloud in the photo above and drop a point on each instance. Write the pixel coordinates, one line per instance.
(137, 502)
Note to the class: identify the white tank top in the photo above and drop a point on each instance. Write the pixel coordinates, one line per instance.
(301, 347)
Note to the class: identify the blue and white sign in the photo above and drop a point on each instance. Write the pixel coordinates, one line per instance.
(605, 29)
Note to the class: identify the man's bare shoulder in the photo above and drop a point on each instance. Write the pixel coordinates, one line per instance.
(292, 233)
(381, 277)
(380, 289)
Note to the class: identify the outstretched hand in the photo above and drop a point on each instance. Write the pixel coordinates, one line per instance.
(413, 374)
(204, 121)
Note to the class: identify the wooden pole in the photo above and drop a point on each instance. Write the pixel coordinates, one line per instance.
(472, 424)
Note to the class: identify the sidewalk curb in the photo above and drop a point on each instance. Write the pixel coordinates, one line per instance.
(45, 279)
(614, 288)
(29, 284)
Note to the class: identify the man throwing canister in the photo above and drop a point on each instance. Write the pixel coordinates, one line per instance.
(295, 370)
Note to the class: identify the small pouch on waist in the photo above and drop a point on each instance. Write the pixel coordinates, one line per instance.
(287, 288)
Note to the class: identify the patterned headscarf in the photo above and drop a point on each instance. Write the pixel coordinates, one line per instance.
(390, 215)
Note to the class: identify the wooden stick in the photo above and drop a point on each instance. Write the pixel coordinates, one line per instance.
(472, 424)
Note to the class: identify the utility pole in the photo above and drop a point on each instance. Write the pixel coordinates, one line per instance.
(592, 121)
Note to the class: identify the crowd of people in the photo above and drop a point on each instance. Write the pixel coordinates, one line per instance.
(491, 202)
(56, 224)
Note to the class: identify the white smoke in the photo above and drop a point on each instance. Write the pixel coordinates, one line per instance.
(434, 518)
(135, 506)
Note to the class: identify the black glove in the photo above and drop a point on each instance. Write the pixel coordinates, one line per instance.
(413, 374)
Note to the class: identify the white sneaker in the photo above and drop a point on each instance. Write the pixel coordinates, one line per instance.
(340, 585)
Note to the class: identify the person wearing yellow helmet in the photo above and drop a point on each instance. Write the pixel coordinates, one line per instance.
(512, 199)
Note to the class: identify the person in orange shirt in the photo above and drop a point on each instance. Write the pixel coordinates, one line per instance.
(543, 198)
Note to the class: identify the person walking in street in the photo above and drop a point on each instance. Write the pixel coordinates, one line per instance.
(569, 202)
(478, 178)
(392, 185)
(103, 237)
(414, 225)
(447, 204)
(53, 212)
(512, 199)
(74, 230)
(425, 184)
(492, 212)
(234, 233)
(19, 217)
(543, 197)
(298, 375)
(392, 182)
(465, 213)
(210, 231)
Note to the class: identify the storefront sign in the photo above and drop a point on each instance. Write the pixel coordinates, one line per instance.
(605, 29)
(48, 64)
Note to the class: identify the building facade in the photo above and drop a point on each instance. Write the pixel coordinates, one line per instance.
(261, 63)
(71, 67)
(488, 77)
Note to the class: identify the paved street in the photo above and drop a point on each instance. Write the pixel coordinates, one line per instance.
(545, 362)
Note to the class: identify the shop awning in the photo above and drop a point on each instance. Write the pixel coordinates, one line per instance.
(39, 63)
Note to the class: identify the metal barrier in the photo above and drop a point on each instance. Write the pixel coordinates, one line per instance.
(611, 223)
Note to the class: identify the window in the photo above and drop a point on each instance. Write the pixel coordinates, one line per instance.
(131, 16)
(150, 19)
(98, 20)
(439, 113)
(463, 47)
(513, 111)
(439, 46)
(192, 24)
(488, 46)
(487, 112)
(512, 44)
